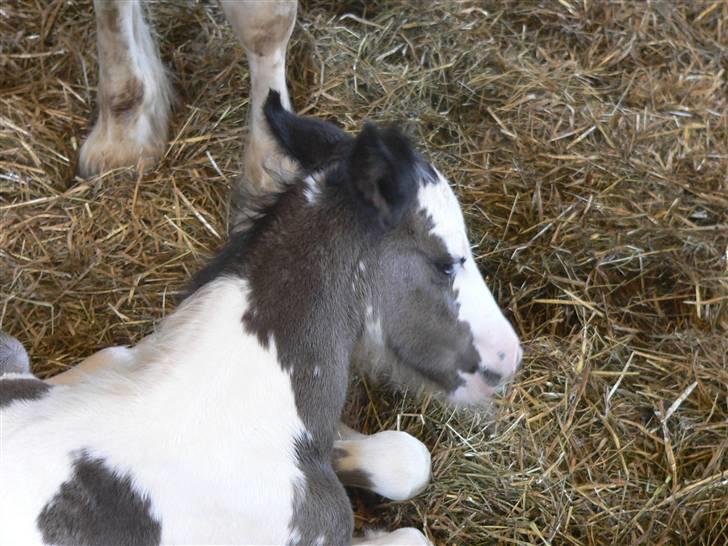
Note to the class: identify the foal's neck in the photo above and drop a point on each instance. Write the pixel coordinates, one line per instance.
(300, 265)
(304, 296)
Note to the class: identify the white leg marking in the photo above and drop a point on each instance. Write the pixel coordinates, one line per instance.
(407, 536)
(397, 464)
(264, 29)
(134, 94)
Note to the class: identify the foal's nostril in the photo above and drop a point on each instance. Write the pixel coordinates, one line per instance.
(492, 378)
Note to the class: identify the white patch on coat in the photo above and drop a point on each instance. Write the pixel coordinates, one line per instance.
(373, 331)
(494, 337)
(312, 191)
(204, 421)
(295, 536)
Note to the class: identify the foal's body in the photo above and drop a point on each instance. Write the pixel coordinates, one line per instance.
(198, 446)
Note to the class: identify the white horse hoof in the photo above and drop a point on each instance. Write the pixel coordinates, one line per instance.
(135, 139)
(407, 536)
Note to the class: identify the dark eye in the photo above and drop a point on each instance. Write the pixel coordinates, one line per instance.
(449, 267)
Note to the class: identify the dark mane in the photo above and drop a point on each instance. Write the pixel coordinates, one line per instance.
(255, 217)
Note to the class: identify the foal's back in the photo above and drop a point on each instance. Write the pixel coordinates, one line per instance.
(174, 447)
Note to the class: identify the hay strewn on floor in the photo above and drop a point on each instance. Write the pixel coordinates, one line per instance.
(589, 144)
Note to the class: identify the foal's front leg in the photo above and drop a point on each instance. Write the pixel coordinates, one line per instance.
(390, 463)
(133, 95)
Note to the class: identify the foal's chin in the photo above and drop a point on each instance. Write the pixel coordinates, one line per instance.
(474, 391)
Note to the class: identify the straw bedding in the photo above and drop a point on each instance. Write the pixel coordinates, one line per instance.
(588, 142)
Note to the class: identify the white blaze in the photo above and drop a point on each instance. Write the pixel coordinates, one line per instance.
(493, 336)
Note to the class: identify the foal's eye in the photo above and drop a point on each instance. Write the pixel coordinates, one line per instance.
(450, 267)
(447, 268)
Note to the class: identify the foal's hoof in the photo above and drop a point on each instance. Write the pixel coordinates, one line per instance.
(13, 356)
(396, 464)
(407, 536)
(408, 468)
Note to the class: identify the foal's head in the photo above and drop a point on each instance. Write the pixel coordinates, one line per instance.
(429, 318)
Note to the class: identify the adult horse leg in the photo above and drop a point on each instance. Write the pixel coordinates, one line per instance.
(133, 93)
(264, 30)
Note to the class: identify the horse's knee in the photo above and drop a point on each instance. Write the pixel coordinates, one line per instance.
(262, 27)
(13, 356)
(393, 464)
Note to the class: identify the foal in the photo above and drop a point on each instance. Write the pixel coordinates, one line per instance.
(223, 426)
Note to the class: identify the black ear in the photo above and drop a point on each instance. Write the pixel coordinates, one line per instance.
(307, 140)
(381, 169)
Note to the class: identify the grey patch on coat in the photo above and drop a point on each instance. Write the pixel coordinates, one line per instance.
(13, 356)
(321, 507)
(423, 343)
(21, 388)
(98, 506)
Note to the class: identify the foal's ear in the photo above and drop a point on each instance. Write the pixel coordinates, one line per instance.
(381, 169)
(307, 140)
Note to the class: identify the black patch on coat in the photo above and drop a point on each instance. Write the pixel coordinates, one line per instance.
(97, 506)
(12, 390)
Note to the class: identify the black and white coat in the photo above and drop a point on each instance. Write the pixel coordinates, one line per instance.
(223, 425)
